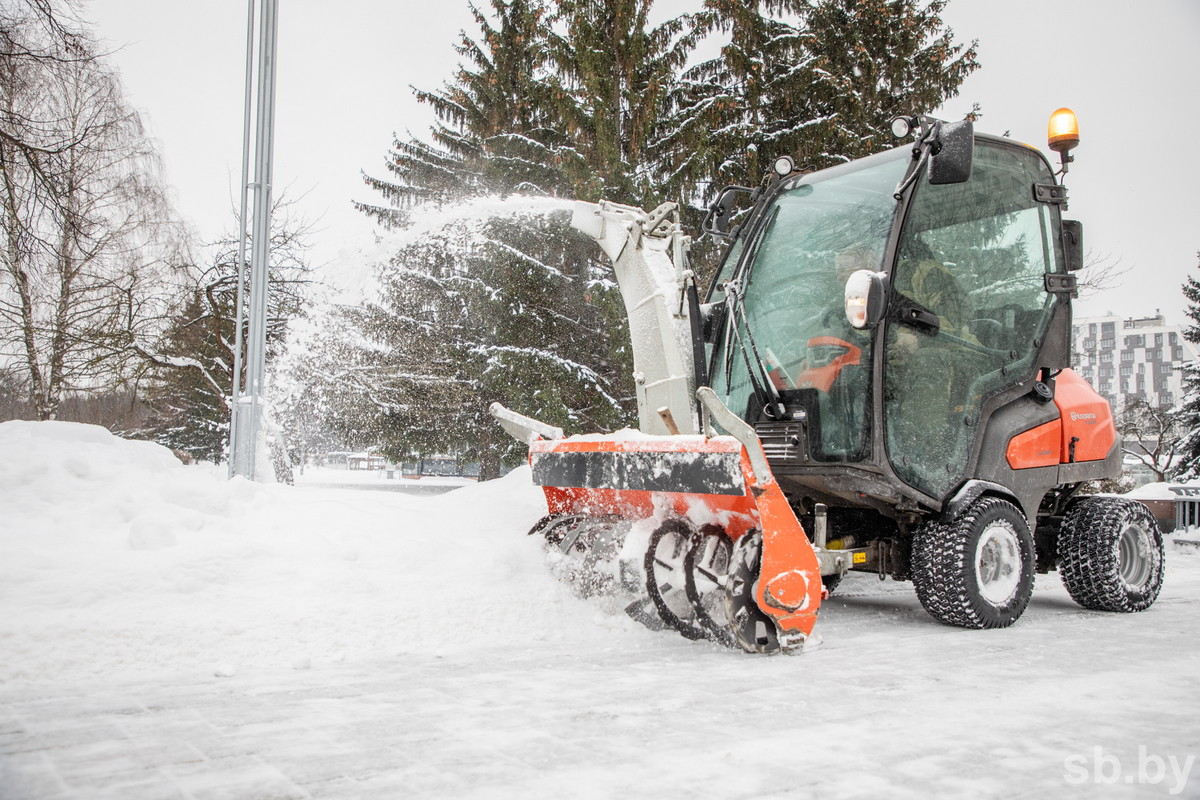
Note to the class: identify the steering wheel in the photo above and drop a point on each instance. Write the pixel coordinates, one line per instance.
(838, 354)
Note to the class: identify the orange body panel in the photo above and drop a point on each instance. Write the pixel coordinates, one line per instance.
(789, 588)
(1086, 419)
(1036, 447)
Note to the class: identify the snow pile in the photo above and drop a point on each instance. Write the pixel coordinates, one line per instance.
(116, 558)
(1156, 491)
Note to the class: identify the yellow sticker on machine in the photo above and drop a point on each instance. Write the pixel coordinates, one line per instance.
(860, 558)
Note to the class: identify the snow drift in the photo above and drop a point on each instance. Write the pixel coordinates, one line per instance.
(116, 558)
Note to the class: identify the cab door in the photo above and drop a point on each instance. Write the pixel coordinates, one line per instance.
(968, 311)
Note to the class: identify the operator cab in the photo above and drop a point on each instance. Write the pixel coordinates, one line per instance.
(877, 393)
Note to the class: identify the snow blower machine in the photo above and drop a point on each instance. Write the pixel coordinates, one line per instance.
(877, 380)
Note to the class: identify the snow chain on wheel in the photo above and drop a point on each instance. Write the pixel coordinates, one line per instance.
(1110, 554)
(977, 570)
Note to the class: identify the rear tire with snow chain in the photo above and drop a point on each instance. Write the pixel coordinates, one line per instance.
(977, 570)
(1110, 554)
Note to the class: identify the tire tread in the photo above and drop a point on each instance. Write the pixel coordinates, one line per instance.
(1088, 554)
(942, 562)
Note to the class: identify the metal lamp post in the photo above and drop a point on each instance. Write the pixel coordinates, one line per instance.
(246, 422)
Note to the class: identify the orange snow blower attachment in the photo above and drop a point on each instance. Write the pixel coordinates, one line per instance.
(692, 531)
(716, 526)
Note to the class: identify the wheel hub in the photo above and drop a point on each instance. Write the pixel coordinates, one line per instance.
(1133, 554)
(998, 564)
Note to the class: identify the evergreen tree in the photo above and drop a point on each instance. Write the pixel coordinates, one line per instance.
(1187, 466)
(879, 59)
(518, 310)
(189, 391)
(191, 366)
(492, 135)
(466, 316)
(614, 75)
(754, 92)
(819, 80)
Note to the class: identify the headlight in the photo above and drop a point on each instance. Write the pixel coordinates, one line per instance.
(865, 291)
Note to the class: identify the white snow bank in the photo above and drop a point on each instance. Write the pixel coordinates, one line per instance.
(114, 557)
(1153, 491)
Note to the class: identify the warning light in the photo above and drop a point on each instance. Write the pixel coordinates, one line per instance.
(1063, 131)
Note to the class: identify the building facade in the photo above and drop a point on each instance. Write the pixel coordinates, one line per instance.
(1126, 358)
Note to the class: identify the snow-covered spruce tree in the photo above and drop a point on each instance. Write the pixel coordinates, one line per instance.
(614, 73)
(879, 59)
(815, 79)
(519, 309)
(1187, 463)
(724, 110)
(383, 372)
(493, 135)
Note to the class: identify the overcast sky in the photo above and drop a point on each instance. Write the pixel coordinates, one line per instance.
(344, 80)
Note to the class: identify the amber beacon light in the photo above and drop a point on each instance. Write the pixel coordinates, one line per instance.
(1063, 131)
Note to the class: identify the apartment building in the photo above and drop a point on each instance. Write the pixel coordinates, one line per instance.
(1126, 358)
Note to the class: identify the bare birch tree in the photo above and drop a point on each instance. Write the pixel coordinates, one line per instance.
(90, 250)
(1151, 434)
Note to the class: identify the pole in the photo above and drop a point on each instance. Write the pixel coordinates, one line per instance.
(239, 314)
(249, 408)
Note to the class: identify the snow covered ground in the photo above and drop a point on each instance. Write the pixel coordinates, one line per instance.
(165, 632)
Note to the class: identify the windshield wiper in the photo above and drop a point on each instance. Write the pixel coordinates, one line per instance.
(756, 368)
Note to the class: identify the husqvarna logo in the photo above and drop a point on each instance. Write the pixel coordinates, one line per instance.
(1075, 416)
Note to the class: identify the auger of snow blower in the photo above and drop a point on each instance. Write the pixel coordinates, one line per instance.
(877, 380)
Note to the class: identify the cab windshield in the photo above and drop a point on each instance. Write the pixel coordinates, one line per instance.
(784, 291)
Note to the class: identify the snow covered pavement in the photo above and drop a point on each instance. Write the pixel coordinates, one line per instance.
(310, 643)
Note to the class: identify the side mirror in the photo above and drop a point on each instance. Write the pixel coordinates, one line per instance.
(716, 221)
(1072, 239)
(952, 153)
(865, 294)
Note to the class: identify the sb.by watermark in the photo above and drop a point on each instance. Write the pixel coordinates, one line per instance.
(1107, 768)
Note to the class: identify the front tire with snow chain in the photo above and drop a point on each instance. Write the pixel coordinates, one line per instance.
(1110, 554)
(977, 570)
